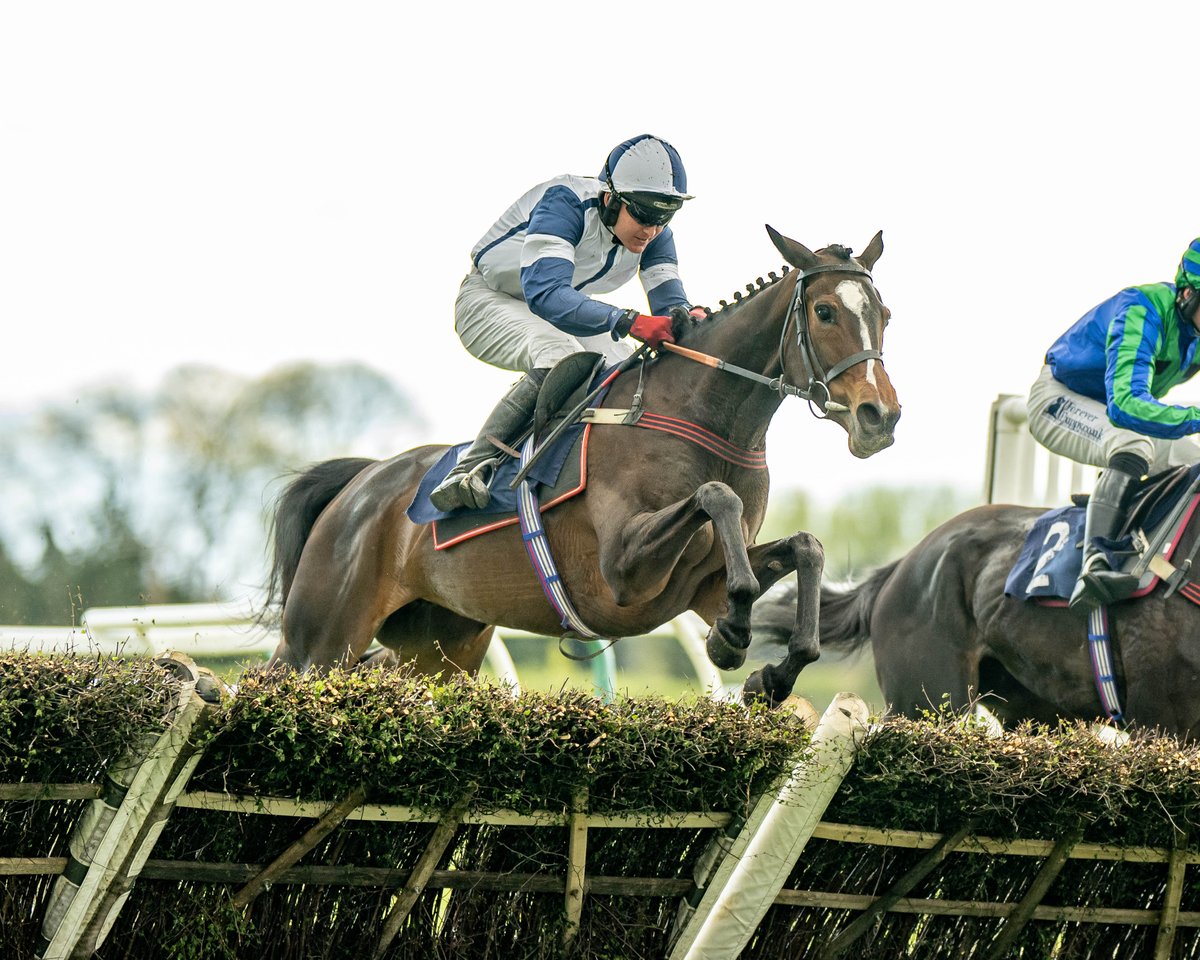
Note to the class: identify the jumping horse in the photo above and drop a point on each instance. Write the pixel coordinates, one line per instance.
(941, 627)
(664, 525)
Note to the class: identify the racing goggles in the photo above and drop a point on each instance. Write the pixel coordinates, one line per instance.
(651, 210)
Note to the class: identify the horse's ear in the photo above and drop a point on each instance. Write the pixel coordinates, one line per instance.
(797, 254)
(868, 257)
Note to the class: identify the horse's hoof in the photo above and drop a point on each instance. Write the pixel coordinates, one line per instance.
(723, 654)
(755, 690)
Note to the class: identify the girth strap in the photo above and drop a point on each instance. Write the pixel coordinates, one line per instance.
(1103, 672)
(685, 429)
(750, 459)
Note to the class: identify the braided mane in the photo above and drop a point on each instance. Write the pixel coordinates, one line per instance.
(758, 286)
(834, 250)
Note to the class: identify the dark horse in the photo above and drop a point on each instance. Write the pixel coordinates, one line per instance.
(939, 624)
(663, 526)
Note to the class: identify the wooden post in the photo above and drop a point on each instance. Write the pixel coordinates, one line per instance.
(1033, 896)
(1168, 922)
(443, 833)
(919, 871)
(576, 864)
(312, 836)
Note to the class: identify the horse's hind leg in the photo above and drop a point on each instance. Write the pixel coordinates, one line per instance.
(324, 631)
(801, 552)
(338, 600)
(434, 640)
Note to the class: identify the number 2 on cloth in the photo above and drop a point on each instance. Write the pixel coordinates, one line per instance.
(1058, 534)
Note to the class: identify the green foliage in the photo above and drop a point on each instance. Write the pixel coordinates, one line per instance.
(421, 743)
(214, 934)
(63, 719)
(415, 742)
(171, 504)
(1036, 781)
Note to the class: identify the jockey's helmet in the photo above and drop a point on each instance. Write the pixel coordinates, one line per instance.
(1188, 274)
(647, 165)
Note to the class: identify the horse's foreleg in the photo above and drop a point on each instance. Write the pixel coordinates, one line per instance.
(801, 552)
(651, 546)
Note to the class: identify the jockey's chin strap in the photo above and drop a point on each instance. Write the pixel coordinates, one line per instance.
(816, 392)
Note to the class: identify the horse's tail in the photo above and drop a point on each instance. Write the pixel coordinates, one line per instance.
(845, 621)
(297, 510)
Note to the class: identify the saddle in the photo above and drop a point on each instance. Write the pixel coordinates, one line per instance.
(1052, 555)
(559, 472)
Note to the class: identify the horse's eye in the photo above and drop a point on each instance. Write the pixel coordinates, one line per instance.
(824, 313)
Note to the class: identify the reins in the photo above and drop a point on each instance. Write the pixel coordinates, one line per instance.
(775, 384)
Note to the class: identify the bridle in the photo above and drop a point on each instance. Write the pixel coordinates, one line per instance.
(816, 390)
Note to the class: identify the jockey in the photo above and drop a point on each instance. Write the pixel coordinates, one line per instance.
(528, 301)
(1097, 401)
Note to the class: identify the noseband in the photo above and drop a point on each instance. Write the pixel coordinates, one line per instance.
(816, 391)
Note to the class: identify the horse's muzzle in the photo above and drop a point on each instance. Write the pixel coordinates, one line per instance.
(871, 428)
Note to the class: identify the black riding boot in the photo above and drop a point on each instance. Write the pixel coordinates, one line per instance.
(466, 485)
(1098, 582)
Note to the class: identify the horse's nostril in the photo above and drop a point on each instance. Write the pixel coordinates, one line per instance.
(869, 417)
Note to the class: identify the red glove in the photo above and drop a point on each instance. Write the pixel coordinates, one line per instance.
(652, 330)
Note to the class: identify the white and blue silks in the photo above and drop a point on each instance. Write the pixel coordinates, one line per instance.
(551, 250)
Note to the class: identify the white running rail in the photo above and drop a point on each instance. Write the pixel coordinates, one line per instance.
(1019, 469)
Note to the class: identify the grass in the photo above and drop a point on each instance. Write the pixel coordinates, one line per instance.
(654, 666)
(648, 666)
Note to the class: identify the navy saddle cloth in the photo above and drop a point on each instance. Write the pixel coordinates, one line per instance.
(545, 473)
(1052, 556)
(504, 500)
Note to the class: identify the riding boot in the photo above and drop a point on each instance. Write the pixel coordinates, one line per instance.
(466, 485)
(1098, 582)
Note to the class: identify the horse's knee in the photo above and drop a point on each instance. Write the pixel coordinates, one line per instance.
(718, 499)
(809, 554)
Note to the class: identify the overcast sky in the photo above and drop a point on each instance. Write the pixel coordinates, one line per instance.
(248, 184)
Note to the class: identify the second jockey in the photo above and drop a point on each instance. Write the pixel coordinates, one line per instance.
(1097, 401)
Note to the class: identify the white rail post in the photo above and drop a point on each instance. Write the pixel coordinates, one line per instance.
(1008, 455)
(1016, 461)
(745, 886)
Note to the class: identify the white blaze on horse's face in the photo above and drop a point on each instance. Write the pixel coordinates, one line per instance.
(853, 294)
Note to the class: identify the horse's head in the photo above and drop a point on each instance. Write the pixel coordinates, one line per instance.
(832, 340)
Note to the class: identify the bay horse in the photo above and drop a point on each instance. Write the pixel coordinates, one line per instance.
(664, 525)
(940, 626)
